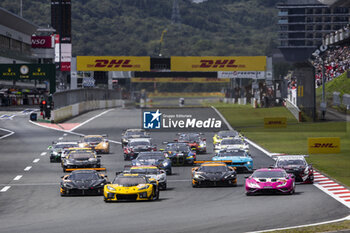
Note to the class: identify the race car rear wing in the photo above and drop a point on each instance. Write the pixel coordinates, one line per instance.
(90, 168)
(211, 161)
(276, 155)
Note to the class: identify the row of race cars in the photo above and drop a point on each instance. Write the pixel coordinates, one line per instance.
(147, 173)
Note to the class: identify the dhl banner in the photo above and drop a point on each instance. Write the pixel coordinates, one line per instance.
(275, 122)
(256, 63)
(106, 63)
(180, 80)
(324, 145)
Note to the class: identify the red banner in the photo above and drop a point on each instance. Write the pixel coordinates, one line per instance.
(41, 42)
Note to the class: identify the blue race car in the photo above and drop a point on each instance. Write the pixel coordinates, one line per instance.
(154, 158)
(239, 159)
(180, 153)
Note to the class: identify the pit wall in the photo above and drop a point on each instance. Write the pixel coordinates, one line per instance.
(70, 111)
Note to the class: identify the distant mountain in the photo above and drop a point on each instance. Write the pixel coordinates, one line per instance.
(134, 27)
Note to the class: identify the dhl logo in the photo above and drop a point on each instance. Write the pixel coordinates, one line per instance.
(114, 63)
(324, 145)
(218, 64)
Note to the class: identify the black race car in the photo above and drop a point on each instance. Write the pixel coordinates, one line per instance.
(83, 182)
(81, 159)
(154, 158)
(296, 165)
(133, 133)
(213, 174)
(137, 145)
(180, 153)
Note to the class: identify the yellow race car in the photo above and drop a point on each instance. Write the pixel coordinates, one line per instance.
(131, 187)
(225, 134)
(99, 143)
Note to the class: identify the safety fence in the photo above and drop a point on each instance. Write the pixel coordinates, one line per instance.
(66, 98)
(341, 100)
(293, 109)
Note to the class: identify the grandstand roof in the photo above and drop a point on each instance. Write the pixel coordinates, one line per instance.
(339, 3)
(16, 22)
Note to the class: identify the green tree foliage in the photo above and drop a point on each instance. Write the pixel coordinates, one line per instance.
(134, 27)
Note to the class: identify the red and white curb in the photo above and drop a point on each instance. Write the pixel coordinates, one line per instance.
(332, 188)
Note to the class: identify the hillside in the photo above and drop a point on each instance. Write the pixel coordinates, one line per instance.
(134, 27)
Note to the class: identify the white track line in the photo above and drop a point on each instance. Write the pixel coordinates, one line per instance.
(36, 160)
(27, 168)
(7, 135)
(318, 183)
(4, 189)
(74, 133)
(92, 118)
(43, 154)
(17, 177)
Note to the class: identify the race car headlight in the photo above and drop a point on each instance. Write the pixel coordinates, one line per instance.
(202, 144)
(125, 140)
(165, 163)
(104, 145)
(230, 176)
(92, 159)
(306, 171)
(282, 184)
(137, 163)
(69, 162)
(190, 157)
(110, 188)
(248, 163)
(198, 176)
(67, 185)
(55, 153)
(142, 186)
(253, 185)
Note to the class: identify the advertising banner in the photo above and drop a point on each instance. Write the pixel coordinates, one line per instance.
(275, 122)
(242, 74)
(324, 145)
(42, 42)
(180, 80)
(256, 63)
(107, 63)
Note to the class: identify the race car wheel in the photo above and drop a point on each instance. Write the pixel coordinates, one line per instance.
(249, 194)
(195, 185)
(292, 191)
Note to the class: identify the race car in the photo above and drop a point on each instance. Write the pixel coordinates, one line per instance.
(151, 172)
(96, 142)
(225, 134)
(239, 159)
(57, 148)
(154, 158)
(137, 145)
(83, 182)
(270, 180)
(213, 174)
(131, 187)
(66, 151)
(231, 143)
(81, 159)
(296, 165)
(133, 133)
(180, 153)
(194, 140)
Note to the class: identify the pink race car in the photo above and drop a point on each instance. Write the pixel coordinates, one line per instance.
(270, 180)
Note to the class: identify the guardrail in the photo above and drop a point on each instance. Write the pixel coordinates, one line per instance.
(293, 109)
(336, 99)
(70, 111)
(70, 97)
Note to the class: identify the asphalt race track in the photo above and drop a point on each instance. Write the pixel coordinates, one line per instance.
(33, 204)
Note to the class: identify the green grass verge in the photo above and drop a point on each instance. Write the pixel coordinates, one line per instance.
(340, 84)
(293, 140)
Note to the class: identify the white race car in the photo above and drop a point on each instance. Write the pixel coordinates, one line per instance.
(233, 144)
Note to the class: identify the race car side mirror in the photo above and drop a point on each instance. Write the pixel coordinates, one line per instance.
(161, 149)
(193, 149)
(50, 147)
